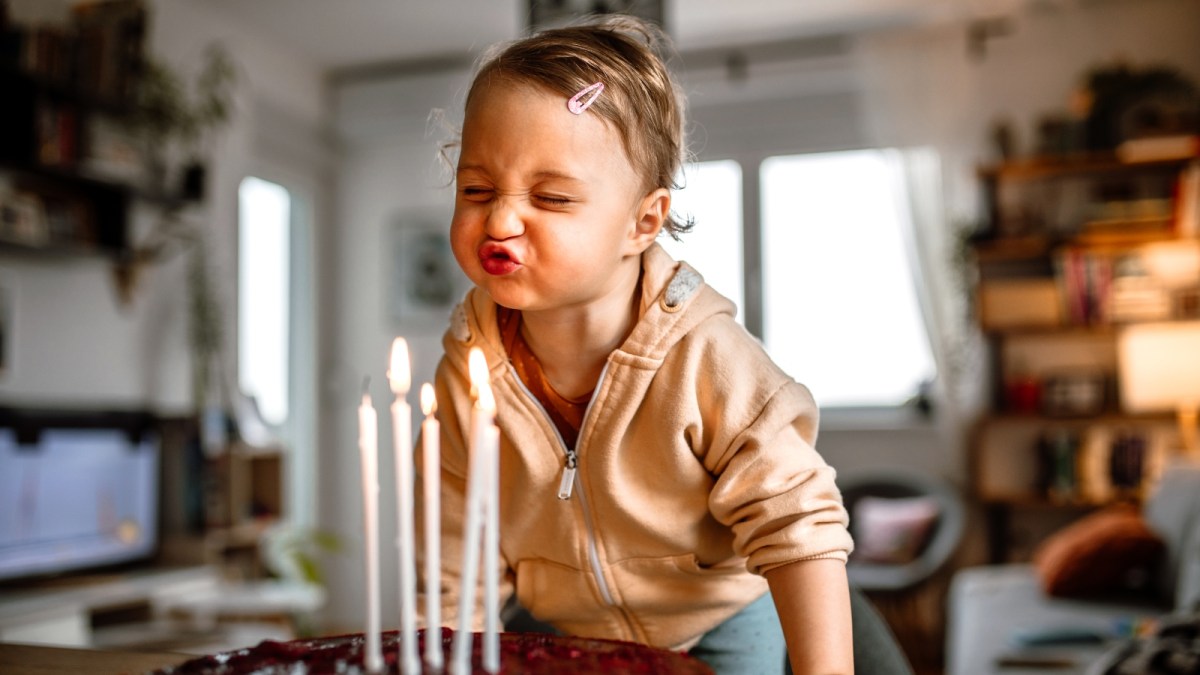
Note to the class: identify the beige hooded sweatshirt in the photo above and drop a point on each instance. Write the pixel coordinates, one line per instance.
(695, 473)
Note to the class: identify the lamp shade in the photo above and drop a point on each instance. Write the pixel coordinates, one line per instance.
(1159, 366)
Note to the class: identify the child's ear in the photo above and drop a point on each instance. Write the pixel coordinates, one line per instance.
(651, 215)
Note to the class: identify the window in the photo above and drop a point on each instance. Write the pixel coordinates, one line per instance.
(840, 311)
(264, 248)
(712, 194)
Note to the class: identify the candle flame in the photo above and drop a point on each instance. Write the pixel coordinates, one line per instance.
(428, 399)
(481, 388)
(477, 370)
(486, 401)
(399, 374)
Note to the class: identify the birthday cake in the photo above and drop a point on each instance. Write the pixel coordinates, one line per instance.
(520, 653)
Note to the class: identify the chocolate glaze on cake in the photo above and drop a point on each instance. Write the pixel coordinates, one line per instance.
(520, 653)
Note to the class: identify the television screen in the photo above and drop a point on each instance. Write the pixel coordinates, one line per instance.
(75, 497)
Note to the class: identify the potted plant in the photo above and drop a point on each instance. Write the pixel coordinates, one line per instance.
(172, 117)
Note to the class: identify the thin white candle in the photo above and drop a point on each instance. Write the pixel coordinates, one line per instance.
(368, 431)
(400, 379)
(431, 449)
(489, 449)
(480, 439)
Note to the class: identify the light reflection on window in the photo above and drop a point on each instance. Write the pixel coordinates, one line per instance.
(264, 218)
(712, 194)
(840, 309)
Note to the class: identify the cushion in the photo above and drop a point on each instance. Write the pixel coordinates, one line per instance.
(892, 530)
(1107, 550)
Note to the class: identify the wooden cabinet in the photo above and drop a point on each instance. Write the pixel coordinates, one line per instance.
(243, 501)
(1074, 251)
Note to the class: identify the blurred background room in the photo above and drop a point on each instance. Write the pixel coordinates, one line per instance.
(970, 226)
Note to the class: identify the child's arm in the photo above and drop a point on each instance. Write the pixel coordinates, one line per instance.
(813, 601)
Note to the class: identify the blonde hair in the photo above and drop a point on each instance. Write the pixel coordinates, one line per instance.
(640, 100)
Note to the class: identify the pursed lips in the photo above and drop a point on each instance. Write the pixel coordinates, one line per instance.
(497, 260)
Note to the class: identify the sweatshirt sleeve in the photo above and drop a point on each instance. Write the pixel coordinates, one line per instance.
(775, 491)
(453, 415)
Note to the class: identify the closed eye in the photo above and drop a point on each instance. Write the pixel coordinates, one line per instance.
(476, 194)
(552, 201)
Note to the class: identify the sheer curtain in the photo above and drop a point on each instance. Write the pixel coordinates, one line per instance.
(943, 291)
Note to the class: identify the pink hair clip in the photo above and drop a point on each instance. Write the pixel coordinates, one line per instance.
(578, 104)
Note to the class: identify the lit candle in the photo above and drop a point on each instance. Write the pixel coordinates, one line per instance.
(368, 452)
(430, 446)
(484, 444)
(489, 447)
(400, 379)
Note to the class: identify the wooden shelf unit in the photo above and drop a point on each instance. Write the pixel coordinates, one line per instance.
(1046, 299)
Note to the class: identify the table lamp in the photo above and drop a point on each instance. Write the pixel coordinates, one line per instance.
(1159, 369)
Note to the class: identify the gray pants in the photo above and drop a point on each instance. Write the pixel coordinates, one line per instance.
(747, 643)
(762, 650)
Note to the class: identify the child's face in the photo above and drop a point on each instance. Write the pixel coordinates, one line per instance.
(548, 205)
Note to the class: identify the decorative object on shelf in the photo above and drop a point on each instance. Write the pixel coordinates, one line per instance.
(1131, 103)
(1074, 393)
(1023, 392)
(1057, 451)
(1160, 370)
(1127, 462)
(1093, 466)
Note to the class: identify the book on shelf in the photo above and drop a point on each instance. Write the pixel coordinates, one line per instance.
(46, 52)
(57, 135)
(1085, 279)
(99, 53)
(110, 36)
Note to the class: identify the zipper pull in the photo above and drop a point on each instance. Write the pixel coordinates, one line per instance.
(567, 484)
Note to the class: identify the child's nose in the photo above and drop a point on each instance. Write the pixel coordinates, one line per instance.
(504, 221)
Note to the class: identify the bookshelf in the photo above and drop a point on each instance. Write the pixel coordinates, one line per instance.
(1075, 249)
(69, 165)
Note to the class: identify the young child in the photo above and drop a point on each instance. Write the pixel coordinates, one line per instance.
(695, 508)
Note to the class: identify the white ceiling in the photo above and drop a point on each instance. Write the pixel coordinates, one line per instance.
(346, 34)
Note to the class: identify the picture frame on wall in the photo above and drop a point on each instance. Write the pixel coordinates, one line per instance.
(425, 280)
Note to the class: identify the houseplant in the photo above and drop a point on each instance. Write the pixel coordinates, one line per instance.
(174, 118)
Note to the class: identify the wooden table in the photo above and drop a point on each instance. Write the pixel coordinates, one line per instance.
(28, 659)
